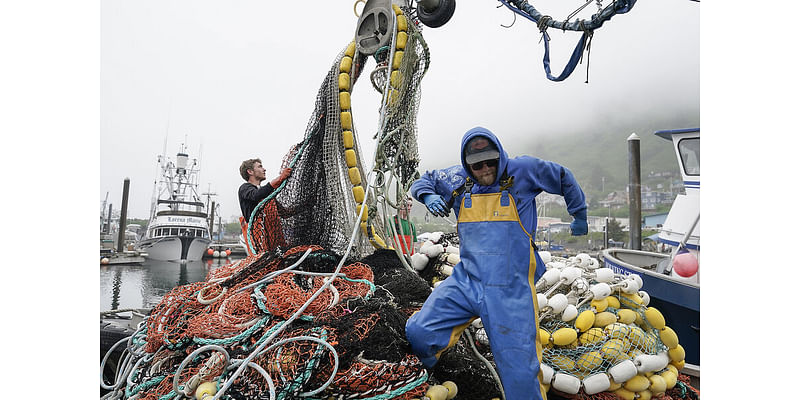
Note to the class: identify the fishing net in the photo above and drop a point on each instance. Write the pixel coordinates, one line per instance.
(596, 329)
(247, 312)
(461, 365)
(326, 318)
(321, 200)
(406, 288)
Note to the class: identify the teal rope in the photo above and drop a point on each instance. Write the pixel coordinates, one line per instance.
(143, 386)
(263, 307)
(259, 295)
(301, 379)
(264, 336)
(228, 341)
(368, 283)
(397, 392)
(168, 395)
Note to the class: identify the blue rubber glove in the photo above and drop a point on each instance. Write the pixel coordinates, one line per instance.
(436, 205)
(579, 226)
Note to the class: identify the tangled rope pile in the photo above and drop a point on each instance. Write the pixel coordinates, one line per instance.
(348, 340)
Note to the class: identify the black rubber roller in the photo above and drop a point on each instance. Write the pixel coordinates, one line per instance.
(439, 15)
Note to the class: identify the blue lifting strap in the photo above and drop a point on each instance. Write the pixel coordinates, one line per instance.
(523, 8)
(573, 60)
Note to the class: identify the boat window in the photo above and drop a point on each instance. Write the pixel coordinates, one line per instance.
(173, 231)
(689, 150)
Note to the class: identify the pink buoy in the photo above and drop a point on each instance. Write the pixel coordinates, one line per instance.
(685, 264)
(210, 251)
(228, 252)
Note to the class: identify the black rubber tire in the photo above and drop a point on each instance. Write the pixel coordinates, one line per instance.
(439, 16)
(109, 335)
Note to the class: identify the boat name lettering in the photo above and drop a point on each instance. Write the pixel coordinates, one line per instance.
(184, 219)
(618, 270)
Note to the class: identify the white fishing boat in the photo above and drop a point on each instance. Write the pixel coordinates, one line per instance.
(178, 228)
(673, 280)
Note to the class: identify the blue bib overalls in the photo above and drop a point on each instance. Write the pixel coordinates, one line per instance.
(493, 281)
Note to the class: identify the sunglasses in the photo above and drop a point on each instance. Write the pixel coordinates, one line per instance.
(479, 165)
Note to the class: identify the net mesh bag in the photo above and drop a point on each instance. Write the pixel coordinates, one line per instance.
(610, 331)
(320, 202)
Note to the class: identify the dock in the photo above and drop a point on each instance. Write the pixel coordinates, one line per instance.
(236, 250)
(126, 257)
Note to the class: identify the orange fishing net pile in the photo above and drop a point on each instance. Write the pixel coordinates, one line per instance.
(246, 308)
(266, 227)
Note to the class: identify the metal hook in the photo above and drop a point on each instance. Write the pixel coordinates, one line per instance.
(512, 22)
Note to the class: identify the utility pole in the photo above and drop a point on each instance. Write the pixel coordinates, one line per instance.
(211, 220)
(210, 211)
(635, 192)
(102, 216)
(123, 215)
(208, 195)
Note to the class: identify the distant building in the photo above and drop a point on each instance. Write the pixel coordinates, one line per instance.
(557, 227)
(545, 222)
(661, 174)
(598, 224)
(654, 221)
(651, 199)
(614, 200)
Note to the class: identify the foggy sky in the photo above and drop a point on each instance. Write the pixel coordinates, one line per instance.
(239, 79)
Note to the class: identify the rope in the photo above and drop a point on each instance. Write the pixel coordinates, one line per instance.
(574, 13)
(297, 313)
(522, 7)
(488, 364)
(234, 339)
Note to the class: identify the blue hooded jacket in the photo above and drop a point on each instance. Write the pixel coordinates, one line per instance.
(531, 177)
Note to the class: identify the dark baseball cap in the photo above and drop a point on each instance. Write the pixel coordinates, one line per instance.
(479, 149)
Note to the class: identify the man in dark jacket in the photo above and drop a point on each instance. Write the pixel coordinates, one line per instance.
(251, 192)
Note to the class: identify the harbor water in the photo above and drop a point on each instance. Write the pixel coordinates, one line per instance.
(143, 285)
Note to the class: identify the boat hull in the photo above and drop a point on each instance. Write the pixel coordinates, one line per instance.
(175, 248)
(677, 300)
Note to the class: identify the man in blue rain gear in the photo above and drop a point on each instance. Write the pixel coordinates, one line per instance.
(493, 197)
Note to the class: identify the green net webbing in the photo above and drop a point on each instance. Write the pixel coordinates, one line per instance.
(319, 202)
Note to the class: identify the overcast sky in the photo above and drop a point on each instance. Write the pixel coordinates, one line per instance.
(238, 79)
(242, 75)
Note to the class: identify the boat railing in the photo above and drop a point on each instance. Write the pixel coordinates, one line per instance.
(182, 202)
